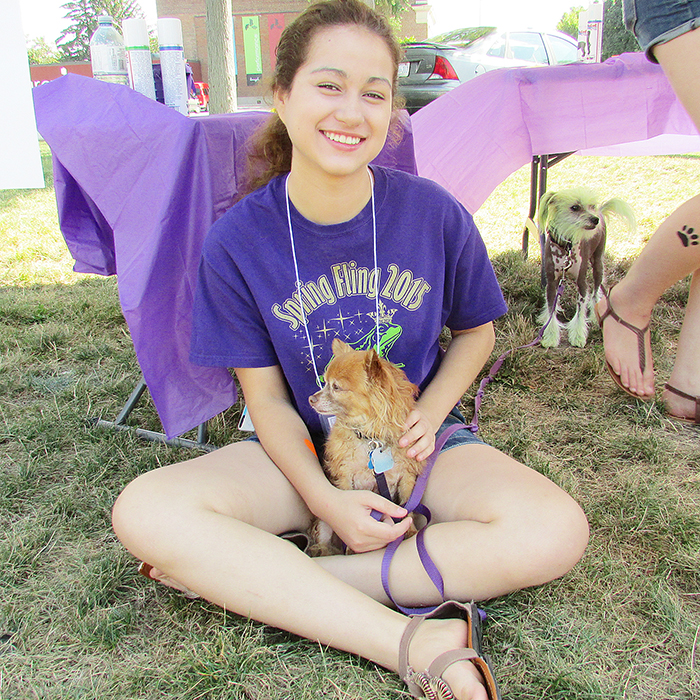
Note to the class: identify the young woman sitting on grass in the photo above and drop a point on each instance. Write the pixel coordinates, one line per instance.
(376, 253)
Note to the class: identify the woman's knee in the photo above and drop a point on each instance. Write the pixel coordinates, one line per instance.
(141, 510)
(557, 541)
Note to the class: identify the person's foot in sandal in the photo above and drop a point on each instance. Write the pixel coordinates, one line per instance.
(627, 343)
(432, 643)
(681, 405)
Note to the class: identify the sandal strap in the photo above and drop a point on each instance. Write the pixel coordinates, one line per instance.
(404, 644)
(639, 332)
(689, 397)
(445, 660)
(448, 609)
(433, 676)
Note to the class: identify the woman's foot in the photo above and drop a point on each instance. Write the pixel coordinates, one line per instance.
(435, 637)
(627, 343)
(682, 403)
(158, 576)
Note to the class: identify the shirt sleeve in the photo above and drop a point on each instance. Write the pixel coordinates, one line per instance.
(227, 327)
(472, 293)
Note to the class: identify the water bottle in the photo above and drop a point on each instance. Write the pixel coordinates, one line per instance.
(107, 53)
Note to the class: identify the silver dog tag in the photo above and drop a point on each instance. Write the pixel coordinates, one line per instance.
(381, 461)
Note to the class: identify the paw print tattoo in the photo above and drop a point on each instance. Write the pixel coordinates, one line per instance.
(688, 237)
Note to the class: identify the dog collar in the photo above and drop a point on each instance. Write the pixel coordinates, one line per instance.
(566, 246)
(372, 443)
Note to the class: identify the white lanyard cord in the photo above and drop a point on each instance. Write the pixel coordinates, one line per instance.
(298, 280)
(374, 250)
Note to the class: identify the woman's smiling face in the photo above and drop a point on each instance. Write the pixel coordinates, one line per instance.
(338, 109)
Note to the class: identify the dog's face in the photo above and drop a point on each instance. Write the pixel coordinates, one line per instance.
(362, 387)
(572, 214)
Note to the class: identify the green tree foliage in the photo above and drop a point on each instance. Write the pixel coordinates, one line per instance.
(74, 41)
(616, 38)
(40, 52)
(393, 8)
(569, 22)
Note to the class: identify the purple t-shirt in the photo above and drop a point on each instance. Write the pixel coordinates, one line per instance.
(433, 272)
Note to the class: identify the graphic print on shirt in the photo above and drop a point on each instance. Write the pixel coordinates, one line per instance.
(400, 288)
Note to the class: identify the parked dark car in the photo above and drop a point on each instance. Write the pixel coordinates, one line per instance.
(434, 67)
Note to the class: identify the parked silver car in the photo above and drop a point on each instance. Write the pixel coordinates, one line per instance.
(433, 67)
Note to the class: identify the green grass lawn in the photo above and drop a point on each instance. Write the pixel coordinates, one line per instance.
(77, 622)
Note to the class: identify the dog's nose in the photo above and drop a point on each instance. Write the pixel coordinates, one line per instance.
(595, 220)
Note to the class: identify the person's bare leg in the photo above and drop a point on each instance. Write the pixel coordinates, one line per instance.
(498, 527)
(674, 250)
(207, 524)
(670, 255)
(686, 370)
(679, 59)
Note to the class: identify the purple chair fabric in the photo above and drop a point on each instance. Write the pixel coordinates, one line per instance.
(474, 137)
(137, 186)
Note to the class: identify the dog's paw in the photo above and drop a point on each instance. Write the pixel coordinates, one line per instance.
(322, 540)
(550, 337)
(578, 331)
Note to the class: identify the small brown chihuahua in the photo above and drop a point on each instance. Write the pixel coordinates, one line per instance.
(370, 399)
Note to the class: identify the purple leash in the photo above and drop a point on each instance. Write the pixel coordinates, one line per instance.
(496, 366)
(414, 505)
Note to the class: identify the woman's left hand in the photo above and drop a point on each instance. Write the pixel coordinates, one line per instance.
(419, 436)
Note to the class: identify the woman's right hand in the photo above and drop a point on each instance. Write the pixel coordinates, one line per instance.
(349, 513)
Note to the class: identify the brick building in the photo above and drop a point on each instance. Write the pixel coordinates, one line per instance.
(257, 25)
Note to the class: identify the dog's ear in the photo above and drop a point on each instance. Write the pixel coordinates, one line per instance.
(543, 213)
(373, 367)
(622, 209)
(339, 347)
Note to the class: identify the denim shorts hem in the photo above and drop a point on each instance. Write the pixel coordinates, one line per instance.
(459, 438)
(656, 22)
(671, 34)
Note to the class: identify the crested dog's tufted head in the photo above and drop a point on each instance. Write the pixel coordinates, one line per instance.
(574, 214)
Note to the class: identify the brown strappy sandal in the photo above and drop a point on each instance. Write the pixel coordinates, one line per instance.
(429, 684)
(689, 397)
(641, 349)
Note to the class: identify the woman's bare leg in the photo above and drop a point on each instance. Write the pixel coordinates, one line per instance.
(665, 259)
(207, 523)
(686, 370)
(674, 250)
(498, 526)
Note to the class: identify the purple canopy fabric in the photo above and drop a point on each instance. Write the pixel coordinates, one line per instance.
(475, 136)
(137, 186)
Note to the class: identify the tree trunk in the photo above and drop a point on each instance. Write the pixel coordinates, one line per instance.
(222, 71)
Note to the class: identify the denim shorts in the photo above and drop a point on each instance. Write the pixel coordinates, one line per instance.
(655, 22)
(458, 438)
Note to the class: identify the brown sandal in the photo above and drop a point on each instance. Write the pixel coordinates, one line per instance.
(429, 684)
(641, 349)
(689, 397)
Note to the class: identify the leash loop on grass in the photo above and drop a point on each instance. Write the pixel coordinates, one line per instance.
(496, 366)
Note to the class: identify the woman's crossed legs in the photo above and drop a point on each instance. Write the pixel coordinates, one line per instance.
(209, 524)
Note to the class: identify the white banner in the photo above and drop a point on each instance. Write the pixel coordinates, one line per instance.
(20, 160)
